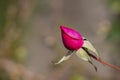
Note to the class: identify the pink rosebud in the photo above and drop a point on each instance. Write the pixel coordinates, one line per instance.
(72, 39)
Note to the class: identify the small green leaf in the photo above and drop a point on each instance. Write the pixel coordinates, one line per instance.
(81, 53)
(66, 57)
(90, 47)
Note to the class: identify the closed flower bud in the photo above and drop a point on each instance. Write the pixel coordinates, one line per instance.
(72, 39)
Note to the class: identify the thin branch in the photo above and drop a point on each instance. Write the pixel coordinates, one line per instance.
(102, 61)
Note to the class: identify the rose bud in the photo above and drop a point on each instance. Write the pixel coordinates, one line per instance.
(75, 43)
(79, 45)
(72, 39)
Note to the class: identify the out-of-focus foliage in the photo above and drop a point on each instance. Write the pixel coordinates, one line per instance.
(13, 26)
(115, 5)
(77, 77)
(4, 75)
(12, 30)
(114, 33)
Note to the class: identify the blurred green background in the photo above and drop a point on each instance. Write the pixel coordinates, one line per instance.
(30, 38)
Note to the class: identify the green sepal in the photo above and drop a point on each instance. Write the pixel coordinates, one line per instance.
(81, 53)
(90, 47)
(93, 65)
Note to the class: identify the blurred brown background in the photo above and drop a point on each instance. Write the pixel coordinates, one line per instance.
(30, 38)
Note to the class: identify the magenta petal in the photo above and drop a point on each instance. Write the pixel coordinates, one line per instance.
(71, 32)
(72, 39)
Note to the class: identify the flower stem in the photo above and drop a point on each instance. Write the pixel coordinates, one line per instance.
(103, 62)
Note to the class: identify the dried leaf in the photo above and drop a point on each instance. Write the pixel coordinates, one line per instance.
(66, 57)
